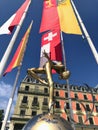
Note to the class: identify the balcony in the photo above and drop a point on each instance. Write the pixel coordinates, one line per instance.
(45, 106)
(24, 104)
(32, 91)
(57, 110)
(35, 105)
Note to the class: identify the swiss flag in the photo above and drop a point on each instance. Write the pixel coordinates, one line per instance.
(51, 44)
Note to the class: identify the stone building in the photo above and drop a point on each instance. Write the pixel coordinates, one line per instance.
(33, 97)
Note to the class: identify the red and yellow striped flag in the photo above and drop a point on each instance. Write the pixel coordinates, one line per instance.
(17, 58)
(59, 14)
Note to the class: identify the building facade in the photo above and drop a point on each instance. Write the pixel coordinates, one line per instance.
(33, 97)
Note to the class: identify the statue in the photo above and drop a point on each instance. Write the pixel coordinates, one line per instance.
(47, 69)
(48, 121)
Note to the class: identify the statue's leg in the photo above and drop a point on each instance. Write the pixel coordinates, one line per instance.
(50, 82)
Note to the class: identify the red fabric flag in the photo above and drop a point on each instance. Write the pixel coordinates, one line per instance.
(17, 59)
(14, 20)
(59, 14)
(50, 19)
(52, 46)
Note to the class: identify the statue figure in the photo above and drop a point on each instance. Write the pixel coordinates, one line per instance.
(47, 69)
(48, 121)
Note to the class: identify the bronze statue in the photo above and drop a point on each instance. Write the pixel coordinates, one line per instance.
(48, 121)
(47, 69)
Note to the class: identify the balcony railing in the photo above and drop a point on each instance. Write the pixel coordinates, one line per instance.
(33, 91)
(24, 104)
(35, 105)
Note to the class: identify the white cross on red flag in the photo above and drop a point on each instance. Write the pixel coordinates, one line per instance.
(51, 44)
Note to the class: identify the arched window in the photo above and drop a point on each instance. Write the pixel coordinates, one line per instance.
(26, 88)
(56, 93)
(45, 90)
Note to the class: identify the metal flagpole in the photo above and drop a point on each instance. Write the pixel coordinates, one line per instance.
(10, 46)
(67, 83)
(10, 100)
(94, 51)
(14, 88)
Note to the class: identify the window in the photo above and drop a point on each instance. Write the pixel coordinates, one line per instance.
(67, 105)
(65, 87)
(96, 108)
(76, 96)
(83, 89)
(85, 97)
(66, 94)
(91, 121)
(57, 93)
(28, 80)
(78, 106)
(24, 99)
(34, 113)
(45, 90)
(68, 118)
(57, 104)
(26, 88)
(22, 112)
(94, 98)
(79, 88)
(80, 119)
(88, 108)
(74, 88)
(45, 102)
(35, 101)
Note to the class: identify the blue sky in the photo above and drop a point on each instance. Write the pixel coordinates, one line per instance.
(79, 58)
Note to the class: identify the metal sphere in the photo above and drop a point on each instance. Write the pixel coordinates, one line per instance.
(47, 122)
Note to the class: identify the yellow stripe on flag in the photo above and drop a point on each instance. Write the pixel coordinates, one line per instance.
(68, 20)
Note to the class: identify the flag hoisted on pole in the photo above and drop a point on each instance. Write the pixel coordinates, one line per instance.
(50, 19)
(16, 62)
(14, 20)
(68, 21)
(51, 44)
(10, 46)
(68, 26)
(59, 15)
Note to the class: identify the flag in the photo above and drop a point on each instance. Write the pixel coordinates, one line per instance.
(50, 19)
(17, 58)
(52, 46)
(14, 20)
(59, 14)
(68, 20)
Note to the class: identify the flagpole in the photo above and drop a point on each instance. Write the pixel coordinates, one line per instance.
(15, 84)
(10, 100)
(67, 83)
(10, 46)
(94, 51)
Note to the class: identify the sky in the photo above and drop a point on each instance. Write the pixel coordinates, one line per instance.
(79, 58)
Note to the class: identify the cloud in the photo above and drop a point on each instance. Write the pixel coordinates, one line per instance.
(5, 93)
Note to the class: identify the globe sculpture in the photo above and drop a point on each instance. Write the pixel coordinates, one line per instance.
(48, 121)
